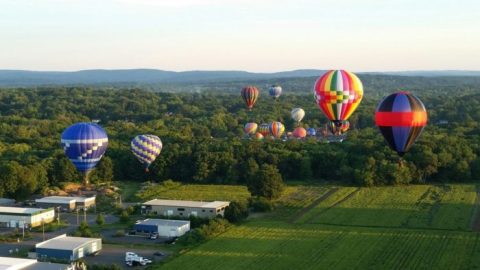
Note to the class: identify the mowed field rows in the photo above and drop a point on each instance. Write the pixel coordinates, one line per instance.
(413, 227)
(425, 206)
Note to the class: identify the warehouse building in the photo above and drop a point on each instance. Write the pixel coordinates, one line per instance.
(8, 263)
(18, 217)
(164, 227)
(66, 203)
(184, 208)
(67, 248)
(7, 202)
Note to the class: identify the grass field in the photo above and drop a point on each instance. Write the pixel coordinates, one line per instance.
(196, 193)
(414, 227)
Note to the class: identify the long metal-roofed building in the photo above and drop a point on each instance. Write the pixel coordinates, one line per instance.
(9, 263)
(19, 217)
(66, 203)
(185, 208)
(67, 248)
(164, 227)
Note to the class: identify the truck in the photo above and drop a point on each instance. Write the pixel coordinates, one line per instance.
(132, 259)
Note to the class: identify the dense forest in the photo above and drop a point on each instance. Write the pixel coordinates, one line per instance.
(201, 129)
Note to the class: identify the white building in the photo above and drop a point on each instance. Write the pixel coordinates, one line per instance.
(8, 263)
(164, 227)
(18, 217)
(66, 203)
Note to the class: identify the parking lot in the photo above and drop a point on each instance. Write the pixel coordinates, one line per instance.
(114, 254)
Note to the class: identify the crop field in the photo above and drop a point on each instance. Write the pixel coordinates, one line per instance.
(438, 207)
(197, 193)
(429, 231)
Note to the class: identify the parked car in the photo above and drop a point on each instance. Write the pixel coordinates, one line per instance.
(132, 259)
(153, 236)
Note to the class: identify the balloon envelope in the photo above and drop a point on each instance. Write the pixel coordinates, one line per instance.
(84, 144)
(250, 128)
(250, 95)
(299, 132)
(298, 114)
(264, 129)
(311, 132)
(275, 91)
(401, 118)
(258, 136)
(277, 129)
(338, 93)
(146, 148)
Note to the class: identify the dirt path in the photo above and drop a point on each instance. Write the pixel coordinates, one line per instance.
(312, 205)
(475, 225)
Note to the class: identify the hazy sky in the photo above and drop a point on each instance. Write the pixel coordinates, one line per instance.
(252, 35)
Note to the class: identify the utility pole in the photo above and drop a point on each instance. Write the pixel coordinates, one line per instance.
(78, 219)
(43, 230)
(58, 211)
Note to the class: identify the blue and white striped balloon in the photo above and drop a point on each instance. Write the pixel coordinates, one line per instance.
(311, 132)
(84, 144)
(146, 148)
(275, 91)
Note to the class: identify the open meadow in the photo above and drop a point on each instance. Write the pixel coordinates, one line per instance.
(405, 227)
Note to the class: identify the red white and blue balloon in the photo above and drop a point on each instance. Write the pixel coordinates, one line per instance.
(84, 144)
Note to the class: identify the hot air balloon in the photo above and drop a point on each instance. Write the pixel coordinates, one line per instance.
(311, 132)
(276, 129)
(275, 91)
(146, 149)
(338, 93)
(264, 129)
(84, 144)
(250, 128)
(338, 130)
(299, 133)
(298, 114)
(258, 136)
(401, 118)
(250, 95)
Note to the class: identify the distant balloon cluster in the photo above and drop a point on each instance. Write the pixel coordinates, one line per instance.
(400, 117)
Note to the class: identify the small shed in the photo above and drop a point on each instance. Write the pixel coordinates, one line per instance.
(164, 227)
(67, 248)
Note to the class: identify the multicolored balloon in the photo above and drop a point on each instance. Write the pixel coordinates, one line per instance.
(250, 128)
(264, 129)
(250, 95)
(311, 132)
(146, 148)
(298, 114)
(84, 144)
(338, 130)
(276, 129)
(401, 118)
(338, 93)
(275, 91)
(299, 133)
(258, 136)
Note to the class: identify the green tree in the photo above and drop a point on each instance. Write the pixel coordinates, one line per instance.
(100, 219)
(267, 182)
(236, 211)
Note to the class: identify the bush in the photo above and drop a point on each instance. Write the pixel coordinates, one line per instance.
(236, 211)
(261, 204)
(100, 219)
(119, 233)
(124, 217)
(207, 231)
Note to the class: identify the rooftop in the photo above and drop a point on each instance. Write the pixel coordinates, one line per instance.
(19, 210)
(163, 222)
(7, 263)
(63, 199)
(180, 203)
(65, 242)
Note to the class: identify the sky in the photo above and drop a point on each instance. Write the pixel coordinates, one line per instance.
(251, 35)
